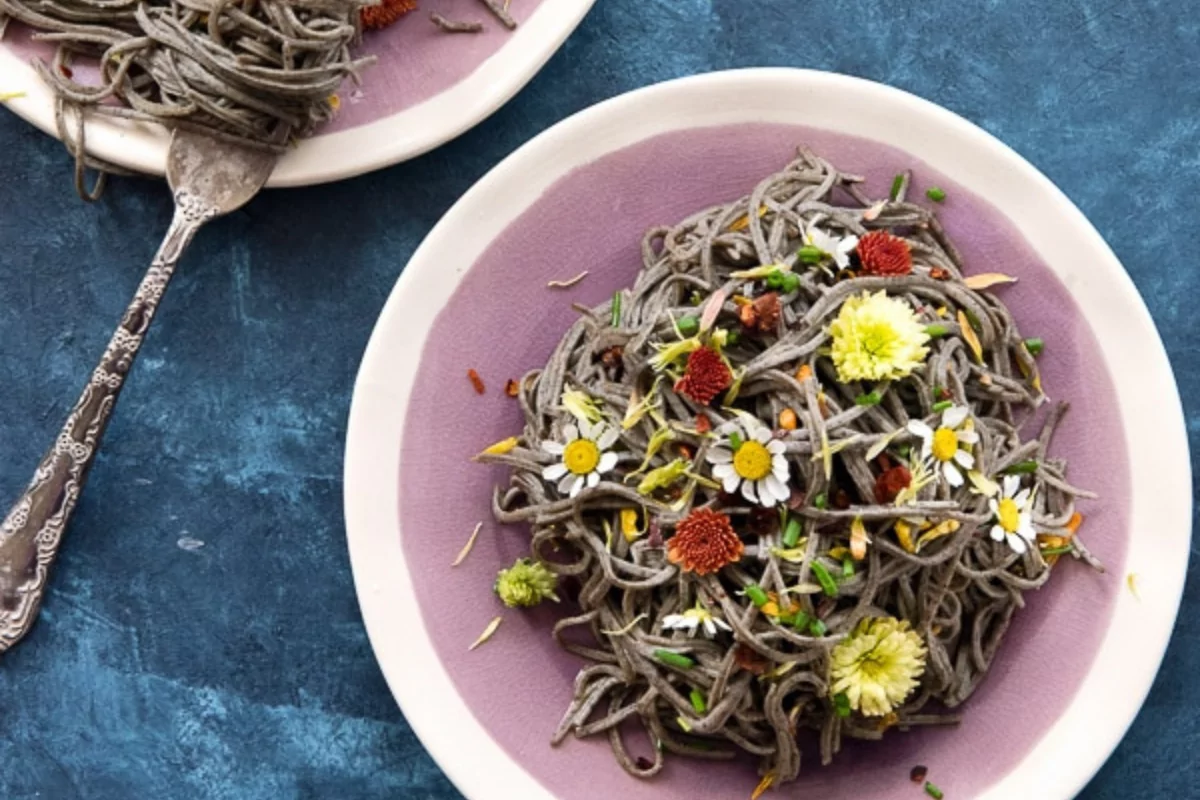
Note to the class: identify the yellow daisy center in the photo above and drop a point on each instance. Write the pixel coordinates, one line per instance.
(1008, 514)
(945, 444)
(752, 461)
(581, 456)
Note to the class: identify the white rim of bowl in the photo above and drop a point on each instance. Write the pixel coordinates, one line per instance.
(407, 134)
(1076, 745)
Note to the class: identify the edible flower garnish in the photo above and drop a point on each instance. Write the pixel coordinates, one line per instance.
(884, 255)
(706, 376)
(384, 14)
(694, 620)
(747, 456)
(526, 583)
(629, 524)
(581, 405)
(838, 248)
(877, 666)
(876, 338)
(585, 456)
(950, 444)
(1013, 522)
(662, 477)
(762, 313)
(640, 406)
(704, 542)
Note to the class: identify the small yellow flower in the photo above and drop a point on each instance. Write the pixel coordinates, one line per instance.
(877, 338)
(526, 583)
(877, 665)
(581, 405)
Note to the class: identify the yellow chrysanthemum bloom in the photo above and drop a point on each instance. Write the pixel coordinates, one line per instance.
(877, 338)
(877, 665)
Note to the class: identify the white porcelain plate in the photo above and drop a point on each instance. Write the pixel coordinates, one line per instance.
(1079, 659)
(426, 88)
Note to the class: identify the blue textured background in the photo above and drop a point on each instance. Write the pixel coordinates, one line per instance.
(241, 669)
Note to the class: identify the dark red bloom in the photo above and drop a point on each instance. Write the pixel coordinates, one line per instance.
(884, 255)
(762, 314)
(706, 376)
(704, 542)
(384, 14)
(750, 660)
(891, 482)
(703, 423)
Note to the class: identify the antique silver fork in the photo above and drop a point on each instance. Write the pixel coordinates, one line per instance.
(208, 178)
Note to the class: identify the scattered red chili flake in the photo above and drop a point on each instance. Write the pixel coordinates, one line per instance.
(750, 660)
(613, 359)
(706, 376)
(66, 71)
(643, 763)
(703, 423)
(767, 310)
(686, 452)
(704, 542)
(891, 482)
(387, 12)
(476, 381)
(841, 500)
(918, 774)
(884, 255)
(512, 388)
(942, 393)
(939, 274)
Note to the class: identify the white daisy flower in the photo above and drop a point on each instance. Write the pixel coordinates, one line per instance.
(838, 248)
(950, 444)
(748, 457)
(695, 619)
(1013, 520)
(585, 456)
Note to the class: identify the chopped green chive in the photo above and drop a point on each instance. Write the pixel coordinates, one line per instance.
(810, 255)
(616, 309)
(868, 399)
(1021, 468)
(756, 595)
(698, 702)
(828, 584)
(933, 791)
(801, 621)
(935, 331)
(735, 441)
(941, 405)
(732, 338)
(935, 194)
(821, 501)
(847, 568)
(841, 704)
(974, 320)
(897, 185)
(791, 282)
(791, 534)
(1058, 551)
(688, 326)
(1035, 346)
(672, 659)
(775, 279)
(903, 450)
(683, 724)
(695, 298)
(818, 628)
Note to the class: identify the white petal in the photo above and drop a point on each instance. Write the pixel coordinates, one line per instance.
(570, 432)
(730, 482)
(593, 478)
(672, 621)
(722, 624)
(1016, 543)
(718, 455)
(690, 626)
(779, 468)
(927, 448)
(760, 434)
(776, 447)
(848, 244)
(969, 437)
(564, 486)
(607, 462)
(1011, 484)
(765, 496)
(994, 506)
(587, 429)
(554, 448)
(748, 491)
(723, 471)
(954, 416)
(728, 427)
(776, 487)
(997, 533)
(918, 428)
(1022, 498)
(1025, 527)
(554, 472)
(953, 476)
(608, 437)
(576, 487)
(710, 629)
(965, 459)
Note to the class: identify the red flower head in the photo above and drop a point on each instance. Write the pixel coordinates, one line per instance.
(884, 255)
(380, 16)
(891, 482)
(706, 376)
(761, 315)
(704, 541)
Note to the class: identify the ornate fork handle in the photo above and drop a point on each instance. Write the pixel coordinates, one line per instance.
(32, 531)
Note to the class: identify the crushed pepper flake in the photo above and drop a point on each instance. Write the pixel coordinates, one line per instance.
(512, 388)
(386, 13)
(488, 633)
(476, 381)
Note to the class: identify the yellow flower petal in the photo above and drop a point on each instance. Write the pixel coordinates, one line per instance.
(904, 531)
(629, 524)
(970, 337)
(743, 222)
(944, 528)
(462, 554)
(858, 539)
(488, 633)
(766, 783)
(987, 279)
(501, 447)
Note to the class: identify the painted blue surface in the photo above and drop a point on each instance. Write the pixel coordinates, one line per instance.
(241, 669)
